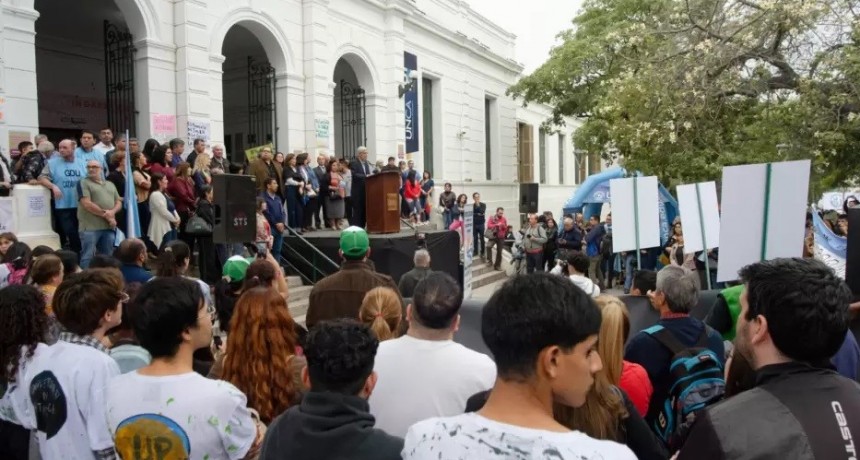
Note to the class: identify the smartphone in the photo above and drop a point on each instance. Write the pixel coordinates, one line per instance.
(262, 250)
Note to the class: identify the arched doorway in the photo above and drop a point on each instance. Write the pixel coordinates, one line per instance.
(249, 91)
(354, 115)
(85, 67)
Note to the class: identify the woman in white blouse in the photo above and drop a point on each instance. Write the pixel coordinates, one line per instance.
(162, 224)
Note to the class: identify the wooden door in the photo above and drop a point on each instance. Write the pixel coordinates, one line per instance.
(525, 153)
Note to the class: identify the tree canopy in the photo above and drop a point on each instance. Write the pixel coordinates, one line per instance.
(681, 88)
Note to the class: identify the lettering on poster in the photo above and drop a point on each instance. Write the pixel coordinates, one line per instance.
(198, 129)
(37, 206)
(323, 129)
(163, 124)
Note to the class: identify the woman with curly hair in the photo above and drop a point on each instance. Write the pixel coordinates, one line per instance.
(381, 310)
(25, 324)
(261, 358)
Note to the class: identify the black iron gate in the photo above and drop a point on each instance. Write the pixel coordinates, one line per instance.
(353, 133)
(119, 78)
(261, 104)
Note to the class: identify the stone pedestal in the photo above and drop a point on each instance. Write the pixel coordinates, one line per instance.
(31, 216)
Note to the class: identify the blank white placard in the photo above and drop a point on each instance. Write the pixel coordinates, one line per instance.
(624, 225)
(690, 196)
(743, 212)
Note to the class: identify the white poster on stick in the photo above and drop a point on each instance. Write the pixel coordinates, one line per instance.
(764, 212)
(700, 214)
(635, 210)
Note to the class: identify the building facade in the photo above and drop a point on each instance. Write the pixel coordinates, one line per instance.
(422, 80)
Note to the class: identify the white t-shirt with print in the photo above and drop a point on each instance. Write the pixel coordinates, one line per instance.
(66, 385)
(14, 403)
(472, 437)
(419, 379)
(179, 416)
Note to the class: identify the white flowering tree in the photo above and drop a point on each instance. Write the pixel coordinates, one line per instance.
(680, 88)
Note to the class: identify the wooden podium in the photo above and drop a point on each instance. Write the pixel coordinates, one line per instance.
(382, 202)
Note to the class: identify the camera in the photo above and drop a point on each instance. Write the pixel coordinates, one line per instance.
(421, 240)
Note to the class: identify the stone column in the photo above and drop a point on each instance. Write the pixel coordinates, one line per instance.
(193, 67)
(19, 103)
(318, 94)
(154, 86)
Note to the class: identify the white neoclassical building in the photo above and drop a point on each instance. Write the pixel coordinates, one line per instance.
(415, 79)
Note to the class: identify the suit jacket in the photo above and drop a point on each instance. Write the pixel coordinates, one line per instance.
(359, 177)
(320, 172)
(261, 172)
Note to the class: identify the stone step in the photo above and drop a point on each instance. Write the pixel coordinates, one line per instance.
(295, 282)
(480, 268)
(298, 310)
(300, 293)
(487, 278)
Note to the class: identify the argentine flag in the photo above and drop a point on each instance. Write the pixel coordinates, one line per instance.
(830, 248)
(130, 200)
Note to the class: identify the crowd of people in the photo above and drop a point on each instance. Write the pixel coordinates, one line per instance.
(173, 186)
(119, 351)
(115, 361)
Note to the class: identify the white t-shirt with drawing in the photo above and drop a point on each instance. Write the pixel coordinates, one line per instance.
(179, 416)
(471, 437)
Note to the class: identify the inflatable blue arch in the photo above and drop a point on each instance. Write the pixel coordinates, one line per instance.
(593, 193)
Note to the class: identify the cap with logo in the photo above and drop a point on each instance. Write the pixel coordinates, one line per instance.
(354, 242)
(235, 268)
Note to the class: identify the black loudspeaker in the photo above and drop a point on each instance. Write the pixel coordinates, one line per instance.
(528, 198)
(235, 208)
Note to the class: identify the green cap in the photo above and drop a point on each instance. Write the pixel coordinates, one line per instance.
(235, 268)
(354, 242)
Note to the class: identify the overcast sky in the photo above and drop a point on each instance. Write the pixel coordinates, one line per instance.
(535, 22)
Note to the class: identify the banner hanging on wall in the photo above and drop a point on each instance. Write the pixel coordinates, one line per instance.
(410, 100)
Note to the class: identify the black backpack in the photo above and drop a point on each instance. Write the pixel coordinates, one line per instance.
(697, 381)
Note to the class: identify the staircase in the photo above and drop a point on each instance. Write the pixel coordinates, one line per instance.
(483, 274)
(298, 301)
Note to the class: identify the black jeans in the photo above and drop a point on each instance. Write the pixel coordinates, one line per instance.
(534, 262)
(478, 245)
(67, 224)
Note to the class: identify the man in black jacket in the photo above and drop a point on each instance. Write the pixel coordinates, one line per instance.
(333, 421)
(570, 239)
(360, 170)
(794, 316)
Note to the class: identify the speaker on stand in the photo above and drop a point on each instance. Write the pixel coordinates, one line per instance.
(235, 208)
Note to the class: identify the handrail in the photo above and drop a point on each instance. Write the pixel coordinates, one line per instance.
(288, 264)
(317, 251)
(316, 272)
(408, 224)
(314, 269)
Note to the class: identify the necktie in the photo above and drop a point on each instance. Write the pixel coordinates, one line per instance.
(366, 171)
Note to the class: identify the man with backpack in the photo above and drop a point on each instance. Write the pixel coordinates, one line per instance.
(794, 315)
(681, 355)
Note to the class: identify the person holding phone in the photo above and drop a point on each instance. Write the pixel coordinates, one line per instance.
(534, 239)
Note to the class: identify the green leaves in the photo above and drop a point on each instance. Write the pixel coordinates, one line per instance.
(681, 88)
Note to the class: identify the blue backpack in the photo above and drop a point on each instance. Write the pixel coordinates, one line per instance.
(697, 381)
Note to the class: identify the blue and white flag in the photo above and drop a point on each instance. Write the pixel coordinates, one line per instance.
(830, 248)
(130, 200)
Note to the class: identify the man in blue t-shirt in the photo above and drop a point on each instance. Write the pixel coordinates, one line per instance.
(677, 292)
(87, 151)
(61, 176)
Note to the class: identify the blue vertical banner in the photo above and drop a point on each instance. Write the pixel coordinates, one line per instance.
(410, 100)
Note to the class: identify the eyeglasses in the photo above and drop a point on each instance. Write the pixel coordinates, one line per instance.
(210, 312)
(94, 167)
